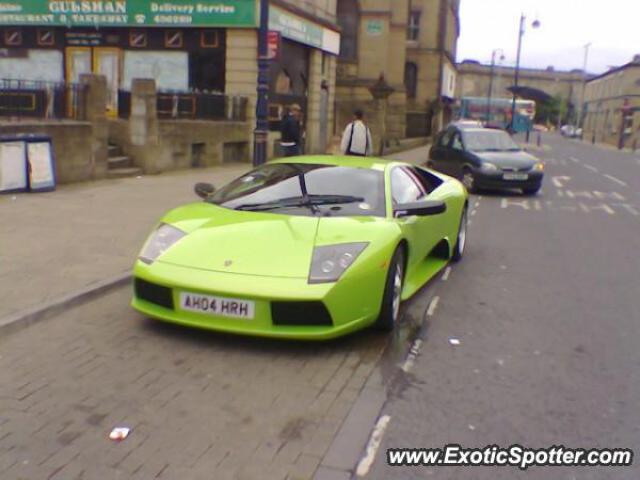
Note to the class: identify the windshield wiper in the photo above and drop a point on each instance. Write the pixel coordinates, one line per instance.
(310, 201)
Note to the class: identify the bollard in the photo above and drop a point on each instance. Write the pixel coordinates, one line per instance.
(539, 140)
(528, 134)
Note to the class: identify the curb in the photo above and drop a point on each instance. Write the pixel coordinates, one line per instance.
(25, 318)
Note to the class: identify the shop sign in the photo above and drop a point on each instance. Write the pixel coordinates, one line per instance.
(173, 13)
(273, 45)
(304, 31)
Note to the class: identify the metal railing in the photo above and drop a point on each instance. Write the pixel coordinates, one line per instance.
(187, 105)
(43, 100)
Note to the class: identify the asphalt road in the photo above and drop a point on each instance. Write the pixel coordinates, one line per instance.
(545, 306)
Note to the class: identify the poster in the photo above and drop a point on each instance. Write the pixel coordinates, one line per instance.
(41, 172)
(13, 166)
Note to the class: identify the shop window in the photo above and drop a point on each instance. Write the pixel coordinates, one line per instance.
(209, 39)
(138, 39)
(13, 37)
(349, 21)
(46, 38)
(206, 70)
(411, 79)
(413, 26)
(173, 39)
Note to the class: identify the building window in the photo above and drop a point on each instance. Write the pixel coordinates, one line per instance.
(137, 39)
(173, 39)
(348, 19)
(46, 38)
(413, 27)
(209, 39)
(13, 37)
(411, 79)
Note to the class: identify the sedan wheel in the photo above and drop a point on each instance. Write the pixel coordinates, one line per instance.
(468, 181)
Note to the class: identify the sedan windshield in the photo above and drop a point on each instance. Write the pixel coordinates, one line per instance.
(306, 189)
(489, 141)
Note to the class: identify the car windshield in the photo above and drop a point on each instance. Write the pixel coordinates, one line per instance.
(306, 189)
(489, 141)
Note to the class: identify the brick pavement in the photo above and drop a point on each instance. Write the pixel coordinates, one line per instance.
(200, 405)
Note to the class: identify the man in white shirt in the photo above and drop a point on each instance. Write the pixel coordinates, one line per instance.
(356, 139)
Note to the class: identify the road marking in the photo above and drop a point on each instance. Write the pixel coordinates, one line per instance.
(519, 203)
(445, 275)
(614, 179)
(559, 182)
(411, 357)
(590, 167)
(372, 446)
(477, 204)
(473, 212)
(432, 306)
(604, 207)
(574, 159)
(630, 208)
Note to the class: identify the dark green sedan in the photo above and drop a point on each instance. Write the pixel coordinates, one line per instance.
(484, 158)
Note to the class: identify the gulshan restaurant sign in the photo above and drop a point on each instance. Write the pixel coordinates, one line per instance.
(180, 13)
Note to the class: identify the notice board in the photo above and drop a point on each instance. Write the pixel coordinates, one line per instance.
(13, 166)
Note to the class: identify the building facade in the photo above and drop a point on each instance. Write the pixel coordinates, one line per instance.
(185, 47)
(413, 44)
(474, 79)
(612, 106)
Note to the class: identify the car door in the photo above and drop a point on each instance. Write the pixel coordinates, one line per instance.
(457, 155)
(421, 232)
(440, 151)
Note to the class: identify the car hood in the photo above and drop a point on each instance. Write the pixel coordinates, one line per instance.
(247, 243)
(518, 160)
(259, 243)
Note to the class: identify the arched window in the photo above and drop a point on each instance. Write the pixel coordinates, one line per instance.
(348, 18)
(411, 79)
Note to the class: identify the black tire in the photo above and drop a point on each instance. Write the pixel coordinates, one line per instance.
(531, 191)
(389, 314)
(461, 239)
(468, 180)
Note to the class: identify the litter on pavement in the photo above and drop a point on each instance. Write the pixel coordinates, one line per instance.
(119, 433)
(454, 341)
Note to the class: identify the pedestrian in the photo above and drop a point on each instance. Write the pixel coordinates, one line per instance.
(356, 139)
(291, 131)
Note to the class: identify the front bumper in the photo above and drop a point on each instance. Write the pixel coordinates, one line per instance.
(353, 303)
(495, 180)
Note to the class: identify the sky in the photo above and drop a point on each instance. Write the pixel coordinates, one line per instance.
(611, 26)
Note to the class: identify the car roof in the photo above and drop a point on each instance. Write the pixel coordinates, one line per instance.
(339, 160)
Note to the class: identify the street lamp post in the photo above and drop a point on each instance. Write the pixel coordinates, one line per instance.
(584, 85)
(490, 92)
(534, 24)
(261, 132)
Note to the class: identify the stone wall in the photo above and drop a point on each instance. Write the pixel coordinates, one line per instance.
(72, 146)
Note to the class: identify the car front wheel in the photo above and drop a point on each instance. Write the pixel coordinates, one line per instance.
(531, 191)
(390, 311)
(468, 180)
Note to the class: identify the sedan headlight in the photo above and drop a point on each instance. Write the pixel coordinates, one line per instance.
(539, 167)
(159, 242)
(331, 261)
(488, 167)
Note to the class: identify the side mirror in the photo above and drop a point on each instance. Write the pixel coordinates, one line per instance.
(203, 190)
(421, 209)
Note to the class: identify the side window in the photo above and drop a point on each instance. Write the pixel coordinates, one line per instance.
(457, 142)
(404, 188)
(428, 181)
(445, 138)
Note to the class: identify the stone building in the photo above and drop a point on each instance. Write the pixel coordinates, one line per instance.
(201, 57)
(474, 77)
(413, 44)
(612, 106)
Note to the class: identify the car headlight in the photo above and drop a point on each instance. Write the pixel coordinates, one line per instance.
(159, 242)
(331, 261)
(488, 167)
(538, 167)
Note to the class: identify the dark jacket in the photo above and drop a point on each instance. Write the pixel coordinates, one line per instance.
(290, 130)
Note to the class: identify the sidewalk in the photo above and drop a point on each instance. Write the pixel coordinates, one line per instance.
(58, 243)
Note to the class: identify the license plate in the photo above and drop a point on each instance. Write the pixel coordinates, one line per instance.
(515, 176)
(219, 306)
